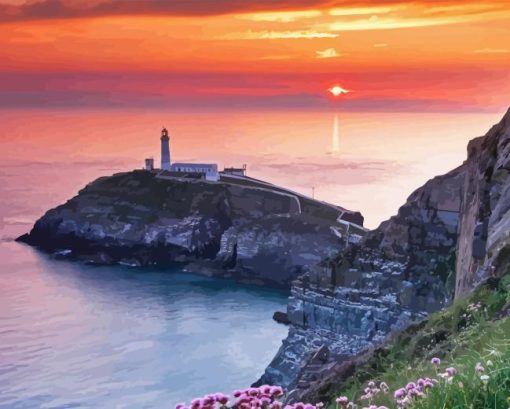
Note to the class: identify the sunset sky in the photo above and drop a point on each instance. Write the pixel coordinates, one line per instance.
(419, 56)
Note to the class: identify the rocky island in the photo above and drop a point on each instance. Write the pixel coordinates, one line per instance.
(235, 227)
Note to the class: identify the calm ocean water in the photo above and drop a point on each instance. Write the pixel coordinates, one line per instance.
(80, 336)
(73, 335)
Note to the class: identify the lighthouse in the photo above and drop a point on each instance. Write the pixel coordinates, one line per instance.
(165, 150)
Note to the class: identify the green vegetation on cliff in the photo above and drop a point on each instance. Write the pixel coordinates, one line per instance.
(470, 338)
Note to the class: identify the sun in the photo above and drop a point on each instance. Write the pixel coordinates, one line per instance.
(337, 90)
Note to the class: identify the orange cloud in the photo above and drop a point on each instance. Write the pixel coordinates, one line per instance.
(278, 35)
(328, 53)
(282, 16)
(357, 11)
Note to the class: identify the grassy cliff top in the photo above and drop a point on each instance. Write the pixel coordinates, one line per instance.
(244, 196)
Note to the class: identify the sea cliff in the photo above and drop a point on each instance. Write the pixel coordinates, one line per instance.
(450, 235)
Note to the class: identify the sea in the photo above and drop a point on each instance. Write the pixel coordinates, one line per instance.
(79, 336)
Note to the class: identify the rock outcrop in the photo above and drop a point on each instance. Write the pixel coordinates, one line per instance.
(451, 234)
(244, 229)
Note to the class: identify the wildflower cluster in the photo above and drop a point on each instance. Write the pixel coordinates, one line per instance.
(301, 405)
(344, 402)
(473, 312)
(474, 307)
(413, 390)
(403, 397)
(423, 393)
(263, 397)
(480, 371)
(369, 393)
(372, 390)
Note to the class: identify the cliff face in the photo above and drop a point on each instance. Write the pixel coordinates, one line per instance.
(452, 233)
(484, 236)
(250, 232)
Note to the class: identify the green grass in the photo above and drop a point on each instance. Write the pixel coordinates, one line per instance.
(462, 336)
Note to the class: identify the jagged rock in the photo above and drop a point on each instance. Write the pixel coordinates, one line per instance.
(345, 321)
(281, 317)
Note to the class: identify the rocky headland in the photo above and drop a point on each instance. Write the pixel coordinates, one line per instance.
(240, 228)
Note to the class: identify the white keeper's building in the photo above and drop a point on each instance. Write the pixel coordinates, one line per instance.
(208, 171)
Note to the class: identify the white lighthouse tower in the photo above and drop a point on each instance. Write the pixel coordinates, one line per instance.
(165, 150)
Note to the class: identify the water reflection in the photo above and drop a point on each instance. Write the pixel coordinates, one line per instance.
(335, 145)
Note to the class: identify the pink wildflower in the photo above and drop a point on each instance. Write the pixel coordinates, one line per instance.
(222, 398)
(196, 403)
(276, 391)
(342, 400)
(366, 396)
(266, 389)
(435, 361)
(276, 405)
(384, 387)
(208, 400)
(451, 371)
(243, 399)
(410, 385)
(400, 393)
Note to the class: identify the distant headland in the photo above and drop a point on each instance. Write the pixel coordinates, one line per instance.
(218, 223)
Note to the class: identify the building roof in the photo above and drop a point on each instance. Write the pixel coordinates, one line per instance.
(195, 165)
